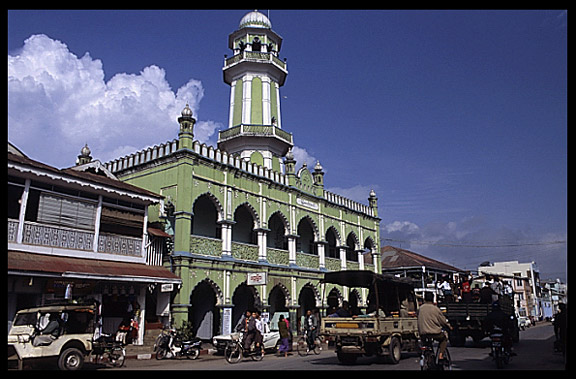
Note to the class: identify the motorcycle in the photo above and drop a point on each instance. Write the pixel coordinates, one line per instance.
(498, 351)
(173, 345)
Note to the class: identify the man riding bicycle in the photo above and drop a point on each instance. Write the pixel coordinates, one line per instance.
(431, 320)
(311, 328)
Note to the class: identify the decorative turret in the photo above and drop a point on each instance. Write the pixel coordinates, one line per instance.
(255, 75)
(186, 134)
(318, 175)
(84, 156)
(373, 202)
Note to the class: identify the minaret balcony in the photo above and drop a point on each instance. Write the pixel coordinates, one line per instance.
(248, 130)
(259, 58)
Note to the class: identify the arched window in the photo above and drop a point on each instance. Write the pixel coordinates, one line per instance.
(332, 249)
(243, 230)
(351, 254)
(305, 241)
(277, 234)
(204, 221)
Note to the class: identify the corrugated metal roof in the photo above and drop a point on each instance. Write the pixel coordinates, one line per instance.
(88, 268)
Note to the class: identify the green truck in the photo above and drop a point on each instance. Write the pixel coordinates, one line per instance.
(389, 325)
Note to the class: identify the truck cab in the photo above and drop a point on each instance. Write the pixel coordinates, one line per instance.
(389, 325)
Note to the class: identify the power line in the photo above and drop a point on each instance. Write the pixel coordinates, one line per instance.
(475, 244)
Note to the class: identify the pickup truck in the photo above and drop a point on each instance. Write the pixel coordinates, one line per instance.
(389, 325)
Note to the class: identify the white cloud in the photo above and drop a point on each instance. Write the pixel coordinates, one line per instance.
(402, 226)
(57, 102)
(302, 156)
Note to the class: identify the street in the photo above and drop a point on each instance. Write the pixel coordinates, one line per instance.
(535, 352)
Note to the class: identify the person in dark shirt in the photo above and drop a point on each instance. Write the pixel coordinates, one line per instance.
(486, 294)
(497, 319)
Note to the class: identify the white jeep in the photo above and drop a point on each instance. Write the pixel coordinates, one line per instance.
(64, 332)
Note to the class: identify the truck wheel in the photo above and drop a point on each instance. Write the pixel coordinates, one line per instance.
(347, 359)
(71, 359)
(394, 351)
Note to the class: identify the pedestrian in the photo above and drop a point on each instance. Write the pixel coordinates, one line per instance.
(560, 323)
(259, 333)
(284, 336)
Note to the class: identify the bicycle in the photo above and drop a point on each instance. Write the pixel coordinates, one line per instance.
(429, 359)
(304, 347)
(107, 349)
(235, 351)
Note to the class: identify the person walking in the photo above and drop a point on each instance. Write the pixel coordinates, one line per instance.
(284, 336)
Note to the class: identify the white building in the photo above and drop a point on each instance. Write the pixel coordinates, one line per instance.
(526, 292)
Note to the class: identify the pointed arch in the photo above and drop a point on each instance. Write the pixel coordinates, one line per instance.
(352, 247)
(333, 239)
(279, 227)
(206, 212)
(252, 211)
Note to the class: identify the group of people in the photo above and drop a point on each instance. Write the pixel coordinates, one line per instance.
(253, 328)
(488, 293)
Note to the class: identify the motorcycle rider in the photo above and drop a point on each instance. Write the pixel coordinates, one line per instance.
(431, 320)
(497, 318)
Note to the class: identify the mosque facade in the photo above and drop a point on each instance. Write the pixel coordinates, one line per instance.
(252, 228)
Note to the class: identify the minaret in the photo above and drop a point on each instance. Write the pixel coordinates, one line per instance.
(255, 74)
(186, 134)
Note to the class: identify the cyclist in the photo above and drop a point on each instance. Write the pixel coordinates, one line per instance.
(431, 320)
(311, 327)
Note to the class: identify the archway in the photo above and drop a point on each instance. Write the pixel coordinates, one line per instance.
(203, 314)
(243, 230)
(305, 242)
(351, 243)
(277, 234)
(332, 239)
(244, 298)
(204, 221)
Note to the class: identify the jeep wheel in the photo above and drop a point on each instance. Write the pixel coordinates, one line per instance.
(71, 359)
(394, 351)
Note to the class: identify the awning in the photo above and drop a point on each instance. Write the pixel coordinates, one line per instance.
(22, 263)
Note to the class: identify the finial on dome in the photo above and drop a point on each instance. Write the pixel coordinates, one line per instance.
(84, 156)
(318, 166)
(187, 112)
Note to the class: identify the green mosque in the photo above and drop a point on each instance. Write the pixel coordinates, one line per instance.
(250, 226)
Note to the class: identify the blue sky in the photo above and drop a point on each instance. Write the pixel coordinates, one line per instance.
(457, 119)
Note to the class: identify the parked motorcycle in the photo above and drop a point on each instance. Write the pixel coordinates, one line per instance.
(498, 351)
(173, 345)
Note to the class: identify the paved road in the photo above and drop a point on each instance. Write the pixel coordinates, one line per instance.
(535, 352)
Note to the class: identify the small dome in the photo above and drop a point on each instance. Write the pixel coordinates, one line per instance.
(85, 152)
(318, 166)
(186, 112)
(255, 19)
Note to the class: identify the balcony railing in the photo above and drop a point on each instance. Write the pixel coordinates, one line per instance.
(256, 56)
(54, 236)
(255, 130)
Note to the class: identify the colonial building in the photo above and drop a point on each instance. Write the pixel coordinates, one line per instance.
(80, 234)
(252, 227)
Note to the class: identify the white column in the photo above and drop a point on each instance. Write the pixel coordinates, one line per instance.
(342, 256)
(266, 111)
(226, 239)
(97, 224)
(21, 216)
(322, 255)
(292, 249)
(144, 233)
(262, 242)
(247, 99)
(231, 113)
